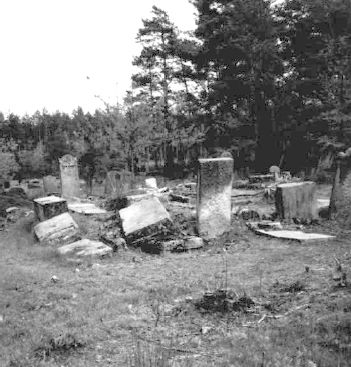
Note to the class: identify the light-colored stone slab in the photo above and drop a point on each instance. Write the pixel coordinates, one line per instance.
(85, 208)
(151, 183)
(214, 188)
(295, 235)
(142, 215)
(58, 229)
(85, 248)
(70, 186)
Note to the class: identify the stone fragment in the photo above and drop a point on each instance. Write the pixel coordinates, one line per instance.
(295, 235)
(85, 208)
(296, 201)
(70, 186)
(85, 248)
(49, 206)
(51, 185)
(144, 218)
(59, 229)
(193, 243)
(214, 196)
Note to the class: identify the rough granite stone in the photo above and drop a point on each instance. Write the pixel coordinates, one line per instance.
(214, 187)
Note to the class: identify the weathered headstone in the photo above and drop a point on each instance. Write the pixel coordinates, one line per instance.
(85, 248)
(296, 201)
(51, 185)
(214, 189)
(275, 170)
(48, 207)
(69, 176)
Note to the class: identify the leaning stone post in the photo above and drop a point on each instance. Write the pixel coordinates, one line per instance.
(214, 187)
(69, 176)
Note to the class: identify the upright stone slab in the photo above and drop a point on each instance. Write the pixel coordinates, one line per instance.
(48, 207)
(296, 201)
(214, 189)
(51, 185)
(69, 176)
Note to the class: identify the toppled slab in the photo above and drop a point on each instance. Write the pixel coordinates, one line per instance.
(178, 245)
(59, 229)
(86, 208)
(49, 206)
(144, 218)
(278, 232)
(85, 248)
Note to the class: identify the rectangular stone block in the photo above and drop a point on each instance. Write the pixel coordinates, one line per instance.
(296, 201)
(60, 229)
(214, 188)
(85, 248)
(144, 218)
(49, 206)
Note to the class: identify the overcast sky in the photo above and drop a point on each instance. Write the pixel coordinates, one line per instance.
(49, 48)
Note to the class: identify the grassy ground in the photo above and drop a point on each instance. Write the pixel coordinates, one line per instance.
(138, 310)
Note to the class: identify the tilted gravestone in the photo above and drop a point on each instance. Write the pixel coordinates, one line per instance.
(214, 187)
(69, 176)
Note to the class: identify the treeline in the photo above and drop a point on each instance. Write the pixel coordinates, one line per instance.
(269, 83)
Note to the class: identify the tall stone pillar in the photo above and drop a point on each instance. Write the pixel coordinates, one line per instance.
(69, 176)
(214, 187)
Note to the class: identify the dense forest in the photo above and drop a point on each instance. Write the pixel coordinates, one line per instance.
(269, 83)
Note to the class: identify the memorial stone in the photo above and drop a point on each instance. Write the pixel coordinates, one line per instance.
(214, 189)
(69, 176)
(51, 185)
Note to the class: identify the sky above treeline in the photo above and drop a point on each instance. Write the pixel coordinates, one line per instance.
(61, 54)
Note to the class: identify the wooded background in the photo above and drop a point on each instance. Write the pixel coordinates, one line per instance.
(271, 84)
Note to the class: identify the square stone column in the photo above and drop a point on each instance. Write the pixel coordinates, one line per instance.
(214, 188)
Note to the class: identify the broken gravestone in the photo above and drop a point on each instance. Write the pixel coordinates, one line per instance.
(59, 229)
(70, 186)
(144, 218)
(214, 188)
(51, 185)
(49, 206)
(296, 201)
(85, 248)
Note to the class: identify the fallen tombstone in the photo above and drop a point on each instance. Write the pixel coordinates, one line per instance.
(85, 208)
(59, 229)
(296, 201)
(295, 235)
(49, 206)
(85, 248)
(261, 178)
(215, 177)
(176, 245)
(145, 218)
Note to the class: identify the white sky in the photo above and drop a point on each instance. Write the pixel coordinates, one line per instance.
(49, 47)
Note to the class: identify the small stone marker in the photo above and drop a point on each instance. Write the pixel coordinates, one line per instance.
(49, 206)
(118, 183)
(143, 218)
(85, 248)
(51, 185)
(275, 170)
(59, 229)
(214, 188)
(296, 201)
(70, 186)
